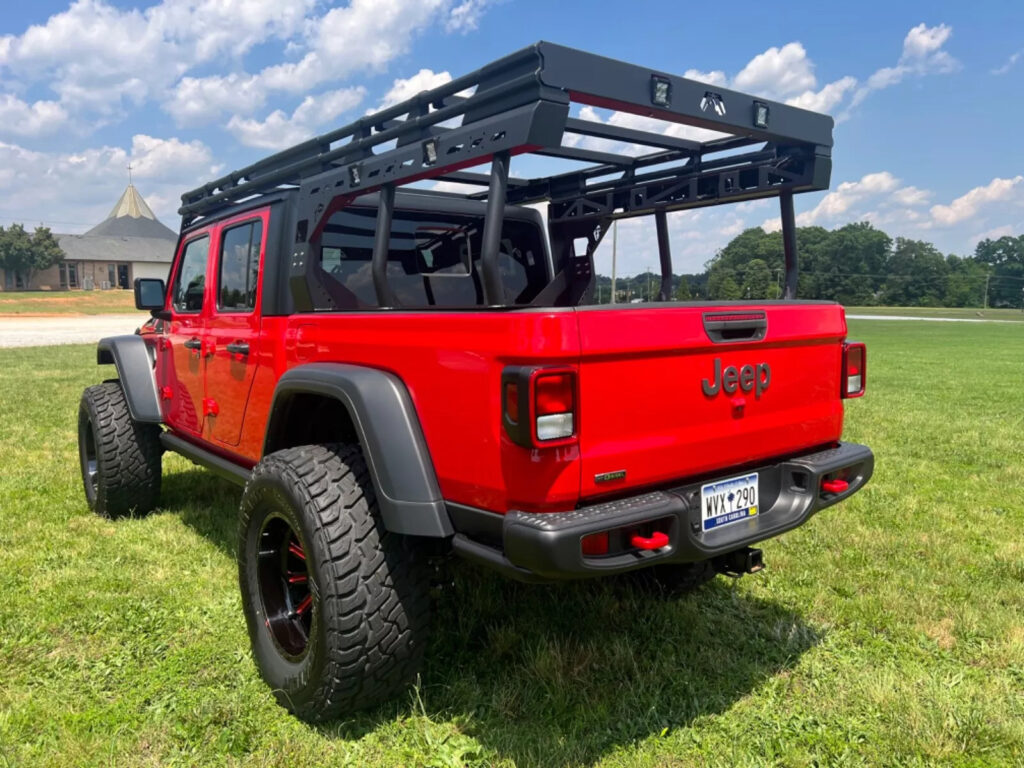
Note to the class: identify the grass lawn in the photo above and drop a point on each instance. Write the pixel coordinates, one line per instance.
(970, 313)
(887, 631)
(66, 302)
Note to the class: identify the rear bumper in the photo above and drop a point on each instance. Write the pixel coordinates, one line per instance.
(546, 547)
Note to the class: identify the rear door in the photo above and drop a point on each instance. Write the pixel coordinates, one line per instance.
(182, 368)
(232, 336)
(675, 392)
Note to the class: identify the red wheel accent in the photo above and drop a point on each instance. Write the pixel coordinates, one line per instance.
(657, 540)
(284, 586)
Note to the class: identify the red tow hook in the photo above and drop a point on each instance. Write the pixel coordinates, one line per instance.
(834, 486)
(657, 540)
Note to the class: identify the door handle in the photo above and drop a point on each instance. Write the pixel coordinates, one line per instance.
(237, 348)
(193, 343)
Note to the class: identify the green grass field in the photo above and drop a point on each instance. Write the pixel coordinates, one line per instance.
(887, 631)
(66, 302)
(969, 313)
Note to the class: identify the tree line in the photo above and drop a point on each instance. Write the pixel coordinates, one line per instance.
(856, 265)
(24, 253)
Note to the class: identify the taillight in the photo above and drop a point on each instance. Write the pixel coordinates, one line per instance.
(554, 403)
(855, 360)
(512, 401)
(539, 405)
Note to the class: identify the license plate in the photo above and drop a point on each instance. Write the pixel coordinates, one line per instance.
(725, 502)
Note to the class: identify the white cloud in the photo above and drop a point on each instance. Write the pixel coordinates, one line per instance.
(922, 55)
(887, 203)
(363, 35)
(18, 118)
(465, 17)
(154, 158)
(402, 89)
(825, 99)
(454, 186)
(78, 188)
(778, 72)
(851, 201)
(1007, 230)
(716, 77)
(280, 130)
(838, 202)
(910, 196)
(99, 59)
(1008, 65)
(199, 100)
(923, 44)
(968, 205)
(231, 27)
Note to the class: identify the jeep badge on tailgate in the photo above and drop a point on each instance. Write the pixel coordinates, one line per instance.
(754, 378)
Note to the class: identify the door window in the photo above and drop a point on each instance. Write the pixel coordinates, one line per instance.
(239, 267)
(190, 283)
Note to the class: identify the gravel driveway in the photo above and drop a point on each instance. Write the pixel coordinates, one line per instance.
(67, 329)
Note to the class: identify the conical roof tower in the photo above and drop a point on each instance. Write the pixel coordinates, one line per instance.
(132, 217)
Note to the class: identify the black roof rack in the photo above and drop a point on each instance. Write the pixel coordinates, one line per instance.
(521, 104)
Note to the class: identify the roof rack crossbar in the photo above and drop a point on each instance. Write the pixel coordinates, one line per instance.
(586, 156)
(616, 133)
(480, 179)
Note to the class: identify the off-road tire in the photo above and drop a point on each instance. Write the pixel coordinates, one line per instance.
(370, 588)
(677, 578)
(119, 457)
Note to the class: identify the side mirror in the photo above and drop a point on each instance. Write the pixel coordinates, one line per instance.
(149, 293)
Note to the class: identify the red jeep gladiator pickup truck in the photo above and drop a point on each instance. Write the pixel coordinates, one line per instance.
(398, 375)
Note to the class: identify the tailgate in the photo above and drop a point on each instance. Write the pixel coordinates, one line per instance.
(673, 392)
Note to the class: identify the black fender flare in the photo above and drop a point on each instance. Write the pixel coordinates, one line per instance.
(135, 370)
(389, 432)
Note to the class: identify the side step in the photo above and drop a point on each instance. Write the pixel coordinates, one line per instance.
(217, 464)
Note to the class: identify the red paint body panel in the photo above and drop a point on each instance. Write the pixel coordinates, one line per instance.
(643, 410)
(213, 376)
(639, 369)
(641, 405)
(451, 363)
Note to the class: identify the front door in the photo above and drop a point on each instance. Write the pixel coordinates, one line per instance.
(233, 329)
(182, 366)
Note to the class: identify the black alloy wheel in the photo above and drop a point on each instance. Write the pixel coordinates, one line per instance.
(284, 588)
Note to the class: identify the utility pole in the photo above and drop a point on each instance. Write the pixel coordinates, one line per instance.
(648, 282)
(987, 278)
(615, 249)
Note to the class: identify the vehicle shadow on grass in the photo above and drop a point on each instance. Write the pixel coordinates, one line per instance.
(565, 674)
(205, 503)
(561, 674)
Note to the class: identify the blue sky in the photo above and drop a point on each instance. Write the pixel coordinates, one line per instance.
(929, 96)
